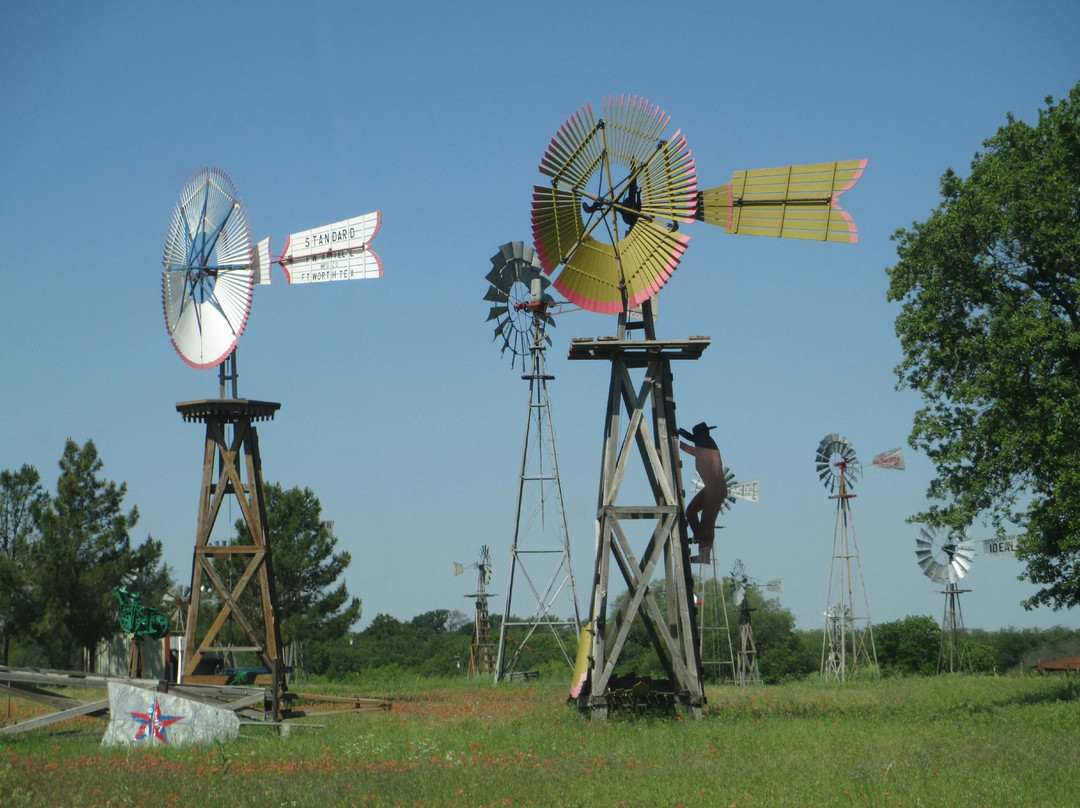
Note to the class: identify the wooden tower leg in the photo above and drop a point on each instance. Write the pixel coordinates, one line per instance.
(232, 466)
(651, 434)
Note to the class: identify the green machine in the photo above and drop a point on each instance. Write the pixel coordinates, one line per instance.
(140, 622)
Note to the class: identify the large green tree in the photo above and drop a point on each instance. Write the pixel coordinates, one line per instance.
(83, 551)
(313, 603)
(20, 494)
(990, 331)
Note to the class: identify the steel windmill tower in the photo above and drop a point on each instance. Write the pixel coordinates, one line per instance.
(540, 549)
(848, 637)
(946, 559)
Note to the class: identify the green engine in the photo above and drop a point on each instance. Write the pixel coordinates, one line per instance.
(139, 620)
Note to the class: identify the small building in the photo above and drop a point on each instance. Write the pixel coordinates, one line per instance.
(1064, 665)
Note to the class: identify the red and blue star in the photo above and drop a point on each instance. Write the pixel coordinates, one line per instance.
(153, 724)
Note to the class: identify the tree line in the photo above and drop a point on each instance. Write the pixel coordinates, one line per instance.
(436, 644)
(63, 553)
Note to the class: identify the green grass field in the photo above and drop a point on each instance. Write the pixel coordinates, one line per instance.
(943, 741)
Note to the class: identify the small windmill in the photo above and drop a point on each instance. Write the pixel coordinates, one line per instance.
(946, 559)
(747, 672)
(481, 652)
(848, 638)
(522, 310)
(714, 629)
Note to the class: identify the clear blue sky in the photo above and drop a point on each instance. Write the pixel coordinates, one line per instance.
(396, 408)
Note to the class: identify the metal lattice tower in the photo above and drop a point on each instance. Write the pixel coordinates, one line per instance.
(548, 574)
(848, 637)
(954, 655)
(717, 652)
(946, 558)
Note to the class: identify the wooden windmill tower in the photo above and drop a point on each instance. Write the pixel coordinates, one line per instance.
(482, 649)
(211, 269)
(620, 188)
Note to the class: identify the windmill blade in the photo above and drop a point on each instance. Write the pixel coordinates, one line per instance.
(962, 557)
(497, 311)
(518, 284)
(625, 152)
(936, 555)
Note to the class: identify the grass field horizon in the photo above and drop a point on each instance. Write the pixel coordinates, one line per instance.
(936, 741)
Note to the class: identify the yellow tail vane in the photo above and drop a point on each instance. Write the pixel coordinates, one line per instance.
(787, 202)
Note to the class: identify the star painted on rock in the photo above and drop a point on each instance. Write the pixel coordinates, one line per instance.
(153, 724)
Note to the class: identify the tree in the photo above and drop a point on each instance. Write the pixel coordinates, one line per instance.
(20, 494)
(990, 332)
(84, 550)
(908, 646)
(312, 602)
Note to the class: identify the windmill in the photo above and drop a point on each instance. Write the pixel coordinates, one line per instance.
(620, 186)
(210, 270)
(522, 310)
(747, 672)
(945, 559)
(848, 637)
(481, 652)
(713, 627)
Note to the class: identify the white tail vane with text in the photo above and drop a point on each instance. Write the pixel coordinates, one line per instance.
(1004, 546)
(334, 252)
(747, 491)
(892, 459)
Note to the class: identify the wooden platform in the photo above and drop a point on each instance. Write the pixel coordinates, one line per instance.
(228, 410)
(637, 352)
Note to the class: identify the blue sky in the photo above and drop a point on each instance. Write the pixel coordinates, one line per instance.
(396, 407)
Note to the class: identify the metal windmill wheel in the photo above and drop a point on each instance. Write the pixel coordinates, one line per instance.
(518, 291)
(835, 462)
(942, 558)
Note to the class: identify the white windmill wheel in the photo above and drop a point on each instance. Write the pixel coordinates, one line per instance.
(209, 270)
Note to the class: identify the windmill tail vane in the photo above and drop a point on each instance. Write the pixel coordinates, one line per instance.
(787, 202)
(340, 251)
(892, 459)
